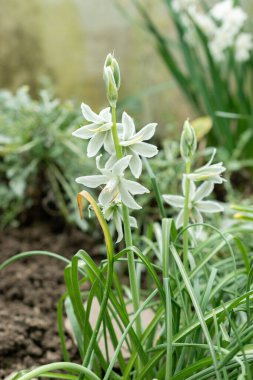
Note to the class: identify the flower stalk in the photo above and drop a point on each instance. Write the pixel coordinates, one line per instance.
(127, 233)
(186, 215)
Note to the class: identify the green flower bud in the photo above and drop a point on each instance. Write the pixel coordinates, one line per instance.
(112, 79)
(188, 143)
(111, 88)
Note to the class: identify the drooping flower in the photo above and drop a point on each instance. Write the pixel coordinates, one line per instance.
(133, 143)
(196, 203)
(117, 188)
(114, 212)
(98, 131)
(209, 172)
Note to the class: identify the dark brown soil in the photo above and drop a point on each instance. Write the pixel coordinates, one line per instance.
(29, 291)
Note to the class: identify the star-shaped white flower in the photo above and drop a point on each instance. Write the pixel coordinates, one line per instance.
(134, 145)
(117, 188)
(98, 131)
(114, 212)
(196, 203)
(209, 172)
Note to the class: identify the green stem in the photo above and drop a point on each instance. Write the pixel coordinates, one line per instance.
(186, 216)
(59, 366)
(127, 234)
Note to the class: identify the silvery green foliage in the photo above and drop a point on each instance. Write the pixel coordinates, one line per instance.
(116, 190)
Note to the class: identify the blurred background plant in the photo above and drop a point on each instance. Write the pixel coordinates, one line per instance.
(211, 60)
(38, 160)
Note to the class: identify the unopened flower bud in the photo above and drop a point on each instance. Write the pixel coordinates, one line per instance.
(111, 88)
(188, 143)
(112, 79)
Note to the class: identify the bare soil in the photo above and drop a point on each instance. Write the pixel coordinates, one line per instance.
(29, 291)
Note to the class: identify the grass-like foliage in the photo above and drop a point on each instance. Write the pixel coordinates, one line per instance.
(192, 278)
(210, 57)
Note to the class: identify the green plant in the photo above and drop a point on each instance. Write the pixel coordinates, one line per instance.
(38, 161)
(211, 60)
(198, 277)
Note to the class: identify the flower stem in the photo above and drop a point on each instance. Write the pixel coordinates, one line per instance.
(186, 216)
(127, 234)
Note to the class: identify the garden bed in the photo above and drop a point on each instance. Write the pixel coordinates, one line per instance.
(29, 291)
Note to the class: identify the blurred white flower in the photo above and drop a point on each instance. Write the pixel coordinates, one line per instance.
(98, 131)
(196, 203)
(243, 47)
(204, 22)
(117, 188)
(220, 10)
(114, 212)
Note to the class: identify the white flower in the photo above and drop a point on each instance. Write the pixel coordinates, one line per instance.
(243, 47)
(98, 131)
(221, 9)
(114, 212)
(117, 187)
(196, 203)
(234, 20)
(132, 143)
(204, 22)
(209, 172)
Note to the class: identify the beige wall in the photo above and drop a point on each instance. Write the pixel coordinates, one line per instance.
(67, 40)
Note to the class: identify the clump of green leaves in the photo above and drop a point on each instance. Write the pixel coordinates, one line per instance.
(38, 161)
(198, 276)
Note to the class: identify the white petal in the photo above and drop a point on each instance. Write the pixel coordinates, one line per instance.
(118, 225)
(112, 160)
(108, 143)
(135, 164)
(146, 132)
(85, 132)
(133, 187)
(127, 199)
(180, 219)
(95, 144)
(174, 200)
(197, 217)
(121, 165)
(89, 115)
(145, 149)
(105, 197)
(128, 126)
(209, 206)
(203, 191)
(106, 115)
(92, 180)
